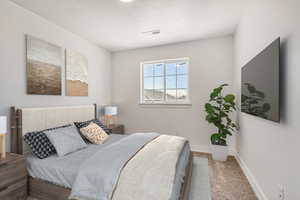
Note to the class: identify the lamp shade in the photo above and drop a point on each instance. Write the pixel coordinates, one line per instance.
(3, 124)
(111, 110)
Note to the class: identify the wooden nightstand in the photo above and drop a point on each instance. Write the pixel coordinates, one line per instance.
(117, 129)
(13, 177)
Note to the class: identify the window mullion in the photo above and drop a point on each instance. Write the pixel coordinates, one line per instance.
(165, 83)
(153, 86)
(143, 83)
(176, 83)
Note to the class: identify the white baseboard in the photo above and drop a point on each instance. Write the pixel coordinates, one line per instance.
(206, 149)
(251, 178)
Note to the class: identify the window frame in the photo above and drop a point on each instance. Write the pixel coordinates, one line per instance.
(165, 102)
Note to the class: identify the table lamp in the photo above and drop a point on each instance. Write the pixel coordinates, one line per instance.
(3, 130)
(109, 113)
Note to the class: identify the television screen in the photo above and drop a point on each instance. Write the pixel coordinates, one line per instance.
(260, 84)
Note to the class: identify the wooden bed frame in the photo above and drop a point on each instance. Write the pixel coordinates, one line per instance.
(43, 190)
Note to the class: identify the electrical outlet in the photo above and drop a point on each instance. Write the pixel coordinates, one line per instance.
(281, 192)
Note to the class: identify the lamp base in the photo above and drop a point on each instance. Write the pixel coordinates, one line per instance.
(109, 119)
(2, 146)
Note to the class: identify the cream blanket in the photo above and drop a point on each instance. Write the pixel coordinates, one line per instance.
(150, 174)
(98, 175)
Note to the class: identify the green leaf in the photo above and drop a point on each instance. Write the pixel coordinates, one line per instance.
(229, 98)
(222, 142)
(223, 114)
(209, 118)
(216, 108)
(223, 85)
(208, 106)
(213, 95)
(219, 101)
(209, 109)
(216, 91)
(215, 138)
(227, 132)
(227, 107)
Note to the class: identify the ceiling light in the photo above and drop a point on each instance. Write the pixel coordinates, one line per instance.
(127, 1)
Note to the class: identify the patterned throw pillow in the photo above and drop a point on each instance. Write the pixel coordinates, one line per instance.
(94, 133)
(39, 143)
(80, 125)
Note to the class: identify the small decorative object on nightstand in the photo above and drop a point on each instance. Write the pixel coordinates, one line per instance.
(117, 129)
(110, 113)
(3, 130)
(13, 181)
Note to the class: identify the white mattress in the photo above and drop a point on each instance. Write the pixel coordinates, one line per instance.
(62, 170)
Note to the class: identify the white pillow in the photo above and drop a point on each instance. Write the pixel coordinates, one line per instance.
(65, 140)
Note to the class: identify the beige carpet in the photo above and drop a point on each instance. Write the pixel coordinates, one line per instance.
(227, 180)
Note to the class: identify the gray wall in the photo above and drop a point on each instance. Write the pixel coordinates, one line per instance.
(15, 22)
(211, 63)
(268, 150)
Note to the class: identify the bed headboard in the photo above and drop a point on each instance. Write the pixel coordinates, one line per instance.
(25, 120)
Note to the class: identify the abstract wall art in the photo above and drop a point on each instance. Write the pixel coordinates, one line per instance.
(76, 74)
(44, 67)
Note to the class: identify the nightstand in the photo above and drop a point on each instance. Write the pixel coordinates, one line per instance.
(117, 129)
(13, 177)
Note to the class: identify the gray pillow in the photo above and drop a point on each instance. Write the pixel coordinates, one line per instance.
(65, 140)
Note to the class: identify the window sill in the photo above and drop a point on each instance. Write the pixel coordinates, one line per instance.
(166, 105)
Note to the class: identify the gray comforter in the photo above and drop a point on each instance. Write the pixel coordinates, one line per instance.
(91, 184)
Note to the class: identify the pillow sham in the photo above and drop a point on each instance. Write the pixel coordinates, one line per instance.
(39, 143)
(65, 140)
(94, 133)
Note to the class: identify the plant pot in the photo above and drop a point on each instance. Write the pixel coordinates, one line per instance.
(219, 152)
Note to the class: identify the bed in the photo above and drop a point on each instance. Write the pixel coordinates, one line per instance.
(55, 177)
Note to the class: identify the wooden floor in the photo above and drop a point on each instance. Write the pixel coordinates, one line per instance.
(227, 180)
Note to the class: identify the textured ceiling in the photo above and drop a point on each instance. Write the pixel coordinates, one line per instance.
(118, 26)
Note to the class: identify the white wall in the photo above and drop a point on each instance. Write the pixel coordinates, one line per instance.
(270, 150)
(15, 22)
(211, 64)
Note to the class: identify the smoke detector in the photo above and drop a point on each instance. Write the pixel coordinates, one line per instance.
(152, 32)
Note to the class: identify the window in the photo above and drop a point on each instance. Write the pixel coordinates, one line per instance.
(165, 82)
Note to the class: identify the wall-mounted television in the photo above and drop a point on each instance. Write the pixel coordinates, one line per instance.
(260, 84)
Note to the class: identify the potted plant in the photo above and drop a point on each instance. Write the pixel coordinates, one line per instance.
(218, 110)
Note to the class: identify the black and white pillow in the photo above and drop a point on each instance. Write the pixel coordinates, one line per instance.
(80, 125)
(39, 143)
